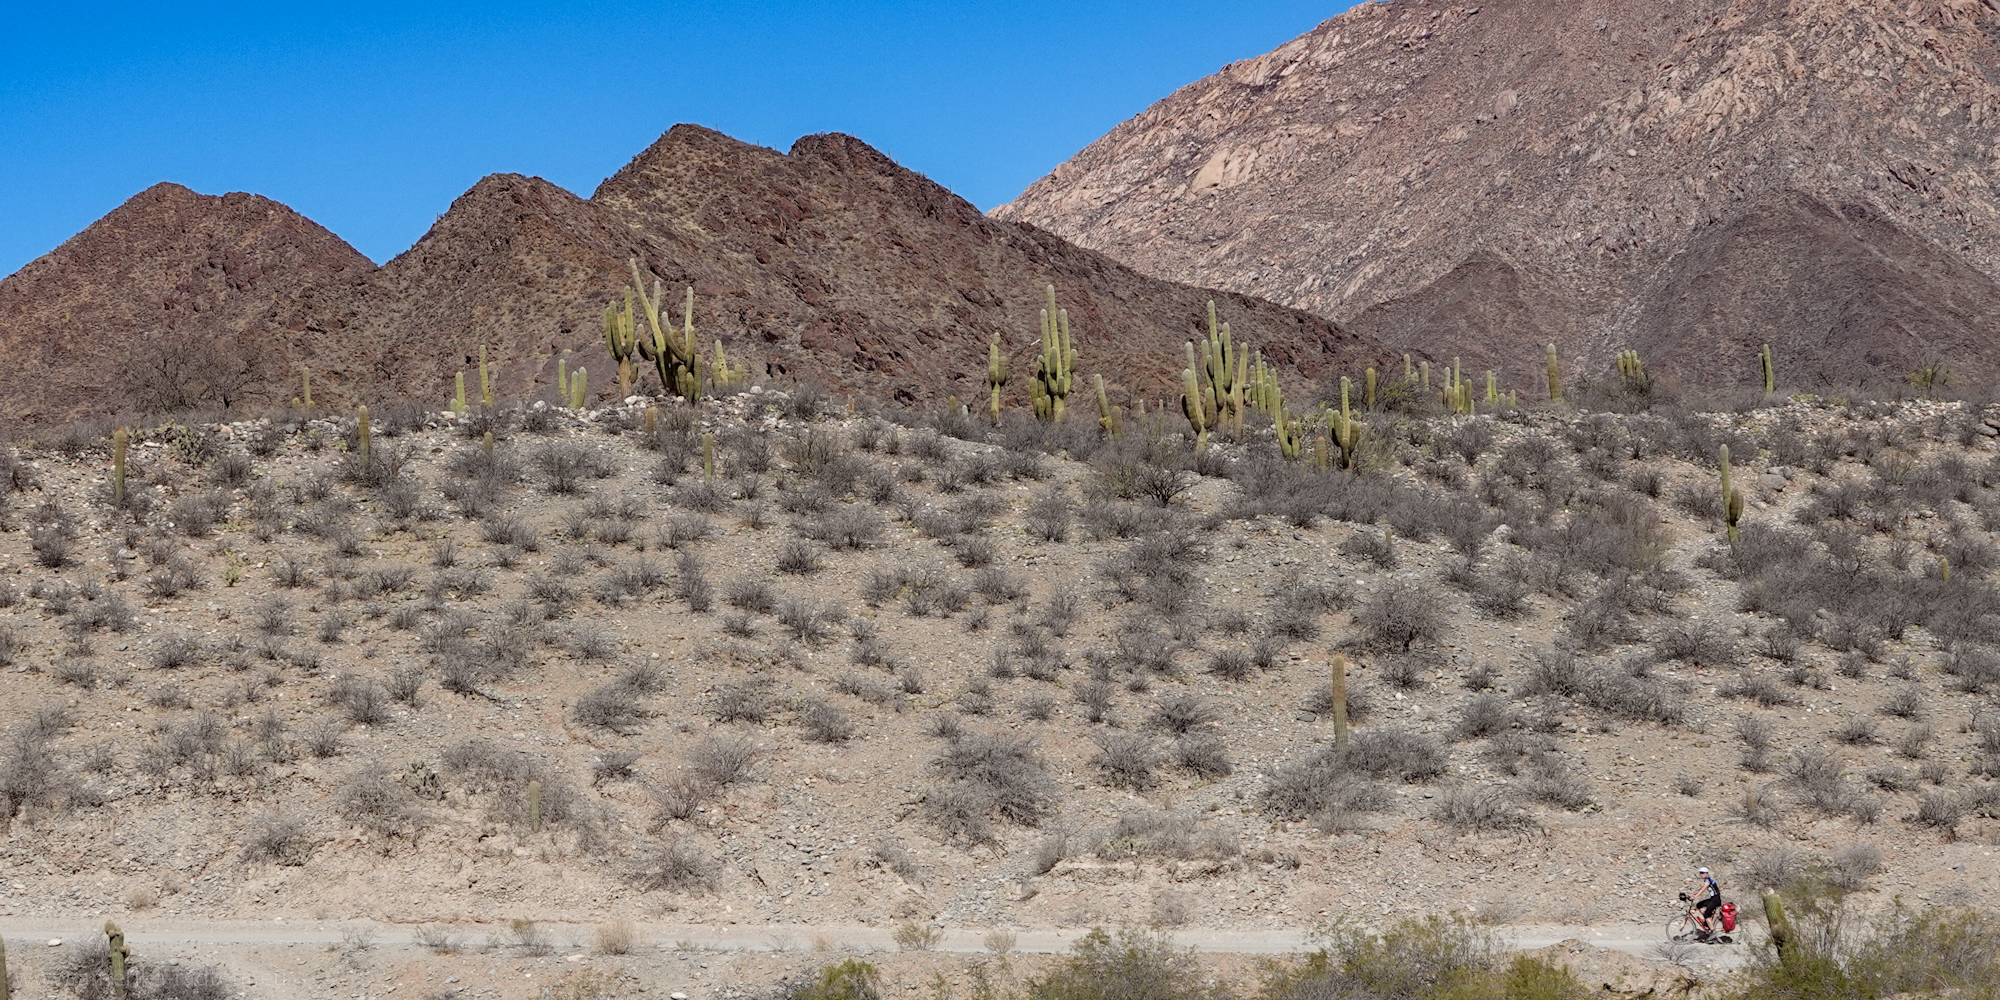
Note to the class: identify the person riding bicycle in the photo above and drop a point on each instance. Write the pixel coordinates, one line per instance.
(1707, 900)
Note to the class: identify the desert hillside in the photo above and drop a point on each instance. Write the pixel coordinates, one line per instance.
(830, 263)
(1691, 180)
(904, 669)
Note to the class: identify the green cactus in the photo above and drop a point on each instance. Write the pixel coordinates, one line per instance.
(1339, 699)
(1781, 928)
(622, 341)
(1225, 367)
(458, 400)
(487, 445)
(119, 956)
(1055, 368)
(1944, 569)
(562, 381)
(1769, 370)
(534, 805)
(1732, 501)
(1108, 417)
(671, 351)
(1409, 369)
(719, 372)
(579, 389)
(1368, 397)
(1198, 406)
(1492, 387)
(304, 401)
(118, 442)
(996, 376)
(1555, 377)
(485, 381)
(1346, 433)
(708, 456)
(363, 434)
(1424, 376)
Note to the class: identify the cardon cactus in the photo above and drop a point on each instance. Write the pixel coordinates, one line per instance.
(458, 399)
(1555, 377)
(1055, 368)
(622, 341)
(1225, 367)
(1346, 433)
(1109, 417)
(485, 381)
(119, 956)
(671, 351)
(118, 442)
(1196, 403)
(1770, 373)
(1732, 501)
(996, 376)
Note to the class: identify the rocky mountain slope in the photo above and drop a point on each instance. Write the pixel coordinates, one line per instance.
(169, 277)
(830, 263)
(1688, 179)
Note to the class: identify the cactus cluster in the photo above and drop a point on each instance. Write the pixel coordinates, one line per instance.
(572, 388)
(1457, 391)
(1055, 367)
(671, 351)
(1346, 433)
(1110, 418)
(1630, 368)
(621, 341)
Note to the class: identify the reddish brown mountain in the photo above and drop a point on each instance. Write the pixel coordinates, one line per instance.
(829, 263)
(176, 283)
(1686, 177)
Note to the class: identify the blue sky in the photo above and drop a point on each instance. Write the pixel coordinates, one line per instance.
(371, 117)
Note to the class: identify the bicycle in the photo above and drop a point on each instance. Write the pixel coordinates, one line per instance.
(1689, 926)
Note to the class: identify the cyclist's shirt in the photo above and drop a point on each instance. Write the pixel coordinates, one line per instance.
(1713, 889)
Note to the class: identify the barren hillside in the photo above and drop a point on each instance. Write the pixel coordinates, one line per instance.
(1688, 179)
(830, 264)
(913, 672)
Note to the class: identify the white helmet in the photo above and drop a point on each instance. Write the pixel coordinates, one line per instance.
(1704, 871)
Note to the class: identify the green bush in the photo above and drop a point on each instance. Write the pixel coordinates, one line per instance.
(852, 979)
(1137, 965)
(1904, 952)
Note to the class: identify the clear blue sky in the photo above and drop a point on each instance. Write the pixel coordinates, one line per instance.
(371, 117)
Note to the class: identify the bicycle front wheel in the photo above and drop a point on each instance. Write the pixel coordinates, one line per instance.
(1681, 928)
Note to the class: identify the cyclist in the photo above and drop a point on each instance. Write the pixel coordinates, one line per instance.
(1707, 900)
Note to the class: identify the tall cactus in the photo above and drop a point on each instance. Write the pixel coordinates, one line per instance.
(363, 434)
(1225, 367)
(1732, 501)
(1346, 433)
(996, 376)
(1781, 927)
(1338, 681)
(708, 456)
(118, 442)
(305, 400)
(621, 339)
(671, 351)
(1368, 397)
(1196, 403)
(458, 398)
(1555, 377)
(1492, 388)
(1765, 363)
(579, 389)
(119, 956)
(1055, 368)
(1109, 417)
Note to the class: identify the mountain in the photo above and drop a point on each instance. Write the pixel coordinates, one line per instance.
(177, 283)
(1688, 179)
(830, 263)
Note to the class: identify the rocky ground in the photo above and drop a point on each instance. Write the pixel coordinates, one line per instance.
(876, 676)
